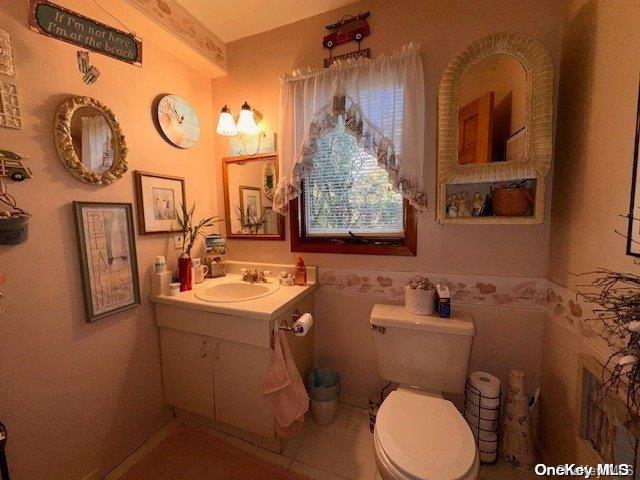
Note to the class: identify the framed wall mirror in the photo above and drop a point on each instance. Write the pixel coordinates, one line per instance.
(89, 141)
(495, 111)
(249, 185)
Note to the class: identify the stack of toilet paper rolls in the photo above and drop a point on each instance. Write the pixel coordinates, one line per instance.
(482, 411)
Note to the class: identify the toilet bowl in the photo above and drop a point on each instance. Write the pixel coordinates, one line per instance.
(421, 436)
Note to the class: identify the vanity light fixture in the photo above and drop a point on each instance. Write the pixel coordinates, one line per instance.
(246, 121)
(226, 123)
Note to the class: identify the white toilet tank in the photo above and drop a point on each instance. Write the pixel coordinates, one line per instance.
(427, 352)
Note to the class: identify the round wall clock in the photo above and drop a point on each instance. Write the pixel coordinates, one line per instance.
(178, 121)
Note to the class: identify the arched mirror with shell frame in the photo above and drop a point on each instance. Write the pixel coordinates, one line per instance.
(495, 113)
(89, 141)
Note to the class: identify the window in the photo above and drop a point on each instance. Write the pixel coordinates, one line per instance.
(348, 205)
(348, 194)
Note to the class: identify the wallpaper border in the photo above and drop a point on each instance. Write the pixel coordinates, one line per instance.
(562, 304)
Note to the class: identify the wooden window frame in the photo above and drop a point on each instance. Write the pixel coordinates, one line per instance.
(301, 242)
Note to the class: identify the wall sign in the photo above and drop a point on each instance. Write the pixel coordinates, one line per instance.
(55, 21)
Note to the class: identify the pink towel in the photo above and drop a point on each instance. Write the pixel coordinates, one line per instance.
(283, 389)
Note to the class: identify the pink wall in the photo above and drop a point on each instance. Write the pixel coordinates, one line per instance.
(597, 109)
(444, 28)
(77, 398)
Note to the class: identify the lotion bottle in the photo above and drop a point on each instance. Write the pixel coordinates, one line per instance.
(300, 272)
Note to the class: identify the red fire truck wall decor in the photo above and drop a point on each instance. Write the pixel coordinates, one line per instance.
(348, 29)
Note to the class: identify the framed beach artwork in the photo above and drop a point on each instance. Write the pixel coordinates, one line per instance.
(633, 235)
(108, 260)
(157, 198)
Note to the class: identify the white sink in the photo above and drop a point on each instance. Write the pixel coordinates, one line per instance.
(235, 291)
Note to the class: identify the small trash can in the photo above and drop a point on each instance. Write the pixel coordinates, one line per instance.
(324, 390)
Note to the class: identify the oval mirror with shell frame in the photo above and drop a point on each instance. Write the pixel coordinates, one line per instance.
(67, 152)
(536, 160)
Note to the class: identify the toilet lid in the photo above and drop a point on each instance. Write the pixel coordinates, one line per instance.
(425, 437)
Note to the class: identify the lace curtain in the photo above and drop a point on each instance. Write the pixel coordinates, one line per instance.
(97, 147)
(382, 105)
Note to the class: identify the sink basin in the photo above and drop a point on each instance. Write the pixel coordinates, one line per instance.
(235, 291)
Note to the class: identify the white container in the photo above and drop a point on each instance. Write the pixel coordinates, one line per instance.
(174, 288)
(324, 413)
(420, 302)
(160, 283)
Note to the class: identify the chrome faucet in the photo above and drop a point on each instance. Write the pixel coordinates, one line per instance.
(254, 276)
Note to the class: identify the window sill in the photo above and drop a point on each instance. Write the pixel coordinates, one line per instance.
(406, 247)
(320, 246)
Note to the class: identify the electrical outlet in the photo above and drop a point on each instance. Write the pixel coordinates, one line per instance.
(178, 242)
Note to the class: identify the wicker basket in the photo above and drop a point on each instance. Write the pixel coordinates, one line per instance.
(512, 201)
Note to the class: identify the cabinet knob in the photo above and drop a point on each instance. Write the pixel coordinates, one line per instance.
(203, 350)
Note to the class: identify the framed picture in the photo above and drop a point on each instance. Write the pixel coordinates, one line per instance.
(633, 235)
(157, 198)
(248, 185)
(251, 203)
(108, 260)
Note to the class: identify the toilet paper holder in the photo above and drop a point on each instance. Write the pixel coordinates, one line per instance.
(291, 328)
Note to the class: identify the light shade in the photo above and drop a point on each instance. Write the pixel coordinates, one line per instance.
(226, 123)
(246, 121)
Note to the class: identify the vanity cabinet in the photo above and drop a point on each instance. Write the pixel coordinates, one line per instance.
(187, 371)
(216, 378)
(214, 365)
(238, 371)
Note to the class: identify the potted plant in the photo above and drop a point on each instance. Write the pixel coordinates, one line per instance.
(419, 296)
(190, 232)
(253, 225)
(14, 221)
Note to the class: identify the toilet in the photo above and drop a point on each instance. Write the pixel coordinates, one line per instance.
(418, 434)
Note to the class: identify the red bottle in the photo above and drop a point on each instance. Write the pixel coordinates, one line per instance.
(185, 272)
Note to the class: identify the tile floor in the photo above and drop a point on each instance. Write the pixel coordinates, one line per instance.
(342, 450)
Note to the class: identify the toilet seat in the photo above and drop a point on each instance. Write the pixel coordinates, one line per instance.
(421, 437)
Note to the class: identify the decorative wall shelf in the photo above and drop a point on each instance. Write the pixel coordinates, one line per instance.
(538, 117)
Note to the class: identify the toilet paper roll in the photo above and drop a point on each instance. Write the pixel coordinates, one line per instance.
(302, 326)
(487, 384)
(488, 447)
(488, 457)
(483, 423)
(475, 401)
(483, 391)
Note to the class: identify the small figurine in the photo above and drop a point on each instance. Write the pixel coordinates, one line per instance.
(477, 205)
(463, 205)
(286, 279)
(300, 273)
(452, 206)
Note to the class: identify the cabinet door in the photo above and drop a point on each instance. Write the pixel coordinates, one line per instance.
(187, 371)
(239, 372)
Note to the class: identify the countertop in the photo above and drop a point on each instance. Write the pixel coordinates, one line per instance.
(266, 307)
